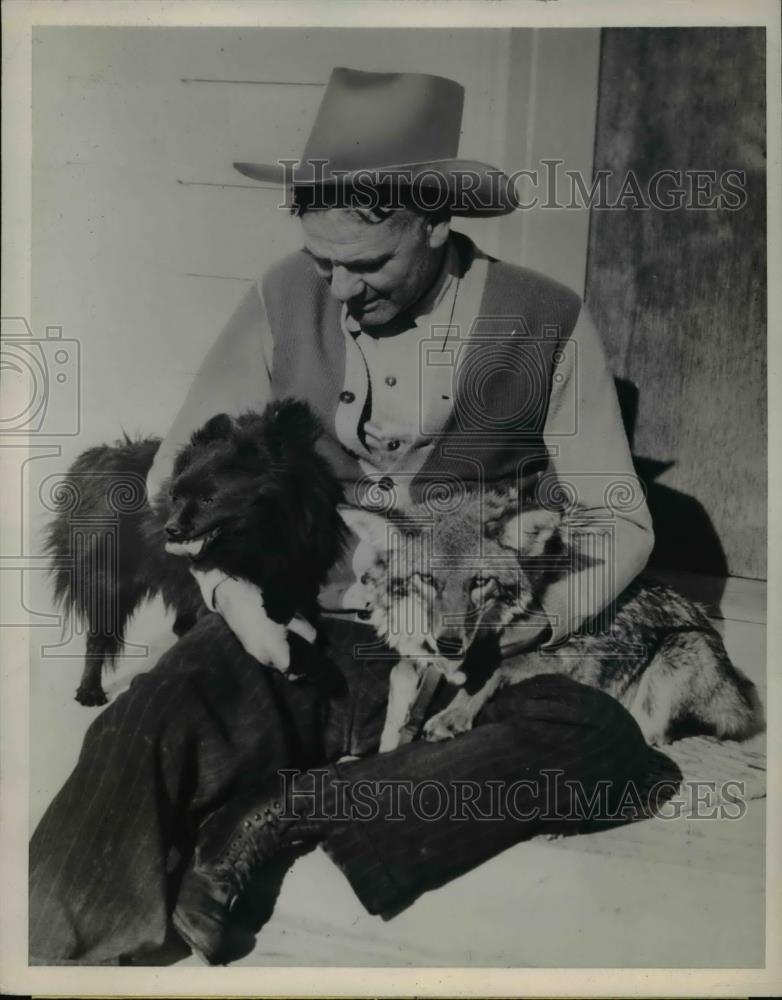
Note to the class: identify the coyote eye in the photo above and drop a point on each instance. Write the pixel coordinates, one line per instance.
(398, 588)
(481, 584)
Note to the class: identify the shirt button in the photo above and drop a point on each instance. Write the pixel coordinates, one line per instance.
(347, 396)
(393, 445)
(391, 380)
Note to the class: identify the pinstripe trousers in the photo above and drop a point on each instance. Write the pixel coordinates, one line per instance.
(208, 725)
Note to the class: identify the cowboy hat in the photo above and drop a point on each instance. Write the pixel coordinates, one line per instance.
(376, 128)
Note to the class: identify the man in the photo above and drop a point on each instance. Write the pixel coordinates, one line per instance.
(429, 364)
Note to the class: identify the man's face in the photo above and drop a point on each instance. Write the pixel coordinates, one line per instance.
(378, 269)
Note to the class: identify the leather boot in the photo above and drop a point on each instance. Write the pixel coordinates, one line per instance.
(233, 843)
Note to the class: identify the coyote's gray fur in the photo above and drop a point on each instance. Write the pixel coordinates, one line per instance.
(442, 588)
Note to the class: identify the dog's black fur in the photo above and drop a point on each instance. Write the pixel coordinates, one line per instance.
(254, 488)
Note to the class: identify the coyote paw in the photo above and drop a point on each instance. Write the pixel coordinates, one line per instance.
(388, 741)
(90, 696)
(447, 724)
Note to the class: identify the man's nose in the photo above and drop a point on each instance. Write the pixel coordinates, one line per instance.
(344, 285)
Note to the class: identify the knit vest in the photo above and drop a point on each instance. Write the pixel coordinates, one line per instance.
(502, 370)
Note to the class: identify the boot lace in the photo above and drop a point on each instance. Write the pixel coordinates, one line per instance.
(252, 843)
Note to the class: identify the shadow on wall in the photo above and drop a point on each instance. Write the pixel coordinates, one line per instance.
(685, 537)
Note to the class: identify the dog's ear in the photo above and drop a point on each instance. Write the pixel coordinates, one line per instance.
(217, 428)
(370, 528)
(290, 423)
(531, 531)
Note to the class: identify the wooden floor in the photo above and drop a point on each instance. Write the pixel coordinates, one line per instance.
(682, 892)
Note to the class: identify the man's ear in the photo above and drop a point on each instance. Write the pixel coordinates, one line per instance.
(530, 531)
(370, 528)
(438, 233)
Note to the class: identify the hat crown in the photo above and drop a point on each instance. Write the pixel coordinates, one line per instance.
(373, 120)
(395, 125)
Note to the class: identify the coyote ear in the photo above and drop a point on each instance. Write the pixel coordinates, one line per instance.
(529, 531)
(370, 528)
(215, 429)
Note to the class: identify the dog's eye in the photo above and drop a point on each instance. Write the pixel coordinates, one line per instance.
(481, 583)
(425, 578)
(206, 500)
(398, 588)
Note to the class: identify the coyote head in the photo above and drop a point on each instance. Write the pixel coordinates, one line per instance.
(435, 583)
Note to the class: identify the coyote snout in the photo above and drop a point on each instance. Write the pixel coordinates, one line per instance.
(450, 644)
(456, 623)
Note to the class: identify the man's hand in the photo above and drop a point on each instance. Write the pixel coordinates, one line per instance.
(521, 640)
(241, 605)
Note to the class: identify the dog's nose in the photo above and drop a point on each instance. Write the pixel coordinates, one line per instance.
(173, 531)
(449, 645)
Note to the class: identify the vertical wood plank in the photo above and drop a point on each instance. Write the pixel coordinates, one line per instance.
(680, 295)
(552, 105)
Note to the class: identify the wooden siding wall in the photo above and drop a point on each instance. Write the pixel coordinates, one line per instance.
(680, 295)
(144, 237)
(551, 116)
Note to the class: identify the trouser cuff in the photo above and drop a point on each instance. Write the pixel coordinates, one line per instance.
(350, 846)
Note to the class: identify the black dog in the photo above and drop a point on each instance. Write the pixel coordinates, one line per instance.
(251, 497)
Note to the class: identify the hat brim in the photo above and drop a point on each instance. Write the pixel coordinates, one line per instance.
(466, 187)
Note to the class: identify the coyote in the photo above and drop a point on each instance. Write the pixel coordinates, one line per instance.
(442, 588)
